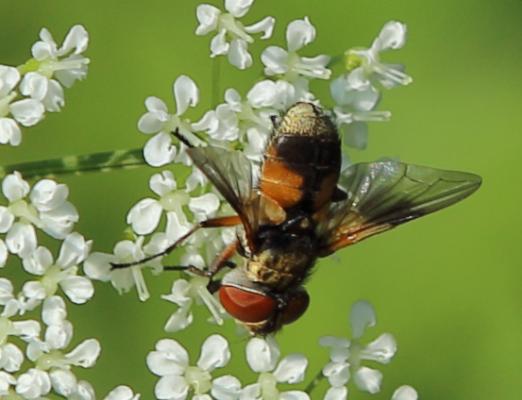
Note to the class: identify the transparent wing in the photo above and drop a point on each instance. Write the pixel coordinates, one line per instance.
(385, 194)
(231, 173)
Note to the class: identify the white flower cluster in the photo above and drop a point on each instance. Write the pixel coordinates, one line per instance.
(346, 357)
(356, 92)
(29, 90)
(178, 378)
(47, 363)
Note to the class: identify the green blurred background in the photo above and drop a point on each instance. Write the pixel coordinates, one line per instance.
(447, 286)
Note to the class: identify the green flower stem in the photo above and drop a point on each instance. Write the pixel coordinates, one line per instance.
(314, 382)
(104, 161)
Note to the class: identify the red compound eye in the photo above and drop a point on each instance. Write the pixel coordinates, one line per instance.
(246, 306)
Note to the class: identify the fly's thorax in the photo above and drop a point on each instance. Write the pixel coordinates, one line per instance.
(282, 261)
(306, 119)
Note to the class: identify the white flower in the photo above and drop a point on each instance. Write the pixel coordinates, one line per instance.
(170, 361)
(232, 37)
(160, 150)
(122, 393)
(262, 356)
(391, 37)
(288, 63)
(355, 103)
(48, 210)
(62, 273)
(187, 293)
(145, 216)
(52, 363)
(65, 63)
(33, 384)
(346, 356)
(98, 266)
(27, 112)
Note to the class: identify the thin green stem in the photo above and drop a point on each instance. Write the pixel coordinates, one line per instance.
(314, 382)
(104, 161)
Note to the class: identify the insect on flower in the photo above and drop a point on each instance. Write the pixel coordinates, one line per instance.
(296, 212)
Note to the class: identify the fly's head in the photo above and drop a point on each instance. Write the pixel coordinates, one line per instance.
(261, 310)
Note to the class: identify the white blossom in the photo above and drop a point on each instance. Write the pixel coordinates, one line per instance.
(66, 63)
(27, 112)
(346, 356)
(160, 150)
(262, 357)
(232, 36)
(170, 361)
(145, 216)
(186, 293)
(367, 61)
(98, 266)
(47, 210)
(288, 64)
(61, 273)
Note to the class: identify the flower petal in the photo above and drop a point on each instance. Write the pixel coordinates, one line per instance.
(3, 253)
(28, 111)
(226, 387)
(54, 311)
(208, 17)
(204, 206)
(85, 354)
(238, 8)
(10, 132)
(33, 384)
(6, 219)
(275, 60)
(294, 395)
(144, 216)
(121, 393)
(214, 353)
(238, 54)
(171, 387)
(169, 358)
(262, 354)
(14, 187)
(368, 380)
(291, 369)
(338, 373)
(159, 151)
(392, 36)
(218, 44)
(77, 39)
(299, 33)
(21, 239)
(47, 195)
(64, 382)
(162, 183)
(266, 25)
(336, 393)
(381, 349)
(405, 393)
(362, 316)
(186, 93)
(78, 289)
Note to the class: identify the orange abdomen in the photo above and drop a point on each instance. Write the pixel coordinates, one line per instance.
(301, 171)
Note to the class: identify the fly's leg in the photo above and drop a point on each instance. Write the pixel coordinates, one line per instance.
(209, 223)
(222, 260)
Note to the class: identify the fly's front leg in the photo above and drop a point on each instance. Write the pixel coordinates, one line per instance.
(221, 261)
(209, 223)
